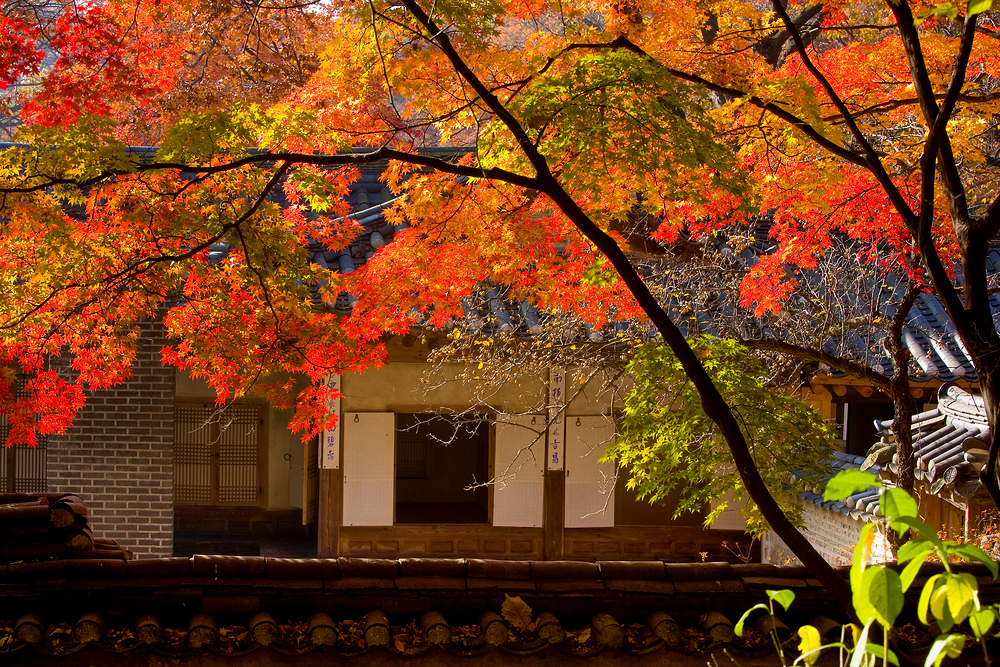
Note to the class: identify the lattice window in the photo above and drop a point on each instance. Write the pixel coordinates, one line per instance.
(217, 454)
(22, 467)
(411, 454)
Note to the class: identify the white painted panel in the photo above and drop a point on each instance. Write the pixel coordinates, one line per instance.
(590, 485)
(730, 519)
(519, 471)
(369, 471)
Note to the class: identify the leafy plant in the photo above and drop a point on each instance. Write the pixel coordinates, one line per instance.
(669, 443)
(947, 599)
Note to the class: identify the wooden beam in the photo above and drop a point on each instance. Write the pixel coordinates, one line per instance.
(328, 532)
(554, 517)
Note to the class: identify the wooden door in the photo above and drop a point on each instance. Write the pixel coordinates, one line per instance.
(590, 484)
(519, 470)
(369, 470)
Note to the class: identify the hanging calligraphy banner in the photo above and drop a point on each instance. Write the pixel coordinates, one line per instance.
(556, 452)
(329, 445)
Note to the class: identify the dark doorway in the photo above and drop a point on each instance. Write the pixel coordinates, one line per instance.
(437, 459)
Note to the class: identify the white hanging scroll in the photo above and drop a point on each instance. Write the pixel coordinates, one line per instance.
(329, 445)
(556, 451)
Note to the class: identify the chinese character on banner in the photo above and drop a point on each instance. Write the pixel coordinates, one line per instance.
(329, 457)
(557, 387)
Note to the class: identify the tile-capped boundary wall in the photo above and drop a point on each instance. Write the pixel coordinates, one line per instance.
(832, 533)
(118, 455)
(461, 589)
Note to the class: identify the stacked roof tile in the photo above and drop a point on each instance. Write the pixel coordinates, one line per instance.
(862, 506)
(213, 609)
(950, 443)
(930, 335)
(43, 526)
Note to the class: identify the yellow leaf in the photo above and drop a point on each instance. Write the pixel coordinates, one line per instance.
(810, 642)
(855, 633)
(399, 646)
(867, 551)
(583, 636)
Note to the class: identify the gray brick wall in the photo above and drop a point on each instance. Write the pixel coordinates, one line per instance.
(118, 455)
(831, 533)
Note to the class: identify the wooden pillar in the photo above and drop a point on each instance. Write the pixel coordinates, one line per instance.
(820, 400)
(554, 518)
(330, 494)
(328, 529)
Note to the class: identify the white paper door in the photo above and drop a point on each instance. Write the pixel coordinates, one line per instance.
(590, 485)
(369, 473)
(519, 471)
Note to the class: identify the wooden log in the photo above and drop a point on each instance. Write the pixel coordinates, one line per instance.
(547, 627)
(720, 627)
(90, 627)
(607, 630)
(106, 543)
(377, 630)
(148, 629)
(36, 535)
(322, 631)
(263, 629)
(435, 628)
(664, 627)
(493, 627)
(28, 628)
(202, 631)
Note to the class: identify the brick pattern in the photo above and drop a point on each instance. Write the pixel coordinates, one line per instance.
(832, 533)
(118, 455)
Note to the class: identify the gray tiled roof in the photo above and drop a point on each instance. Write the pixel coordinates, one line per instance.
(948, 442)
(862, 506)
(930, 335)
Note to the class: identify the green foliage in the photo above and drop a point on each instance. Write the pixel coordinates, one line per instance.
(849, 482)
(622, 111)
(947, 598)
(979, 6)
(880, 596)
(668, 443)
(201, 136)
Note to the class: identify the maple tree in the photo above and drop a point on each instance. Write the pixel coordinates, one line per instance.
(867, 122)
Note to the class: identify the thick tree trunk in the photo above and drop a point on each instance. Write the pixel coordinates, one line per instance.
(714, 404)
(903, 403)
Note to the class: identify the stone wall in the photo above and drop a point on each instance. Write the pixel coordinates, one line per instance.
(832, 533)
(118, 455)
